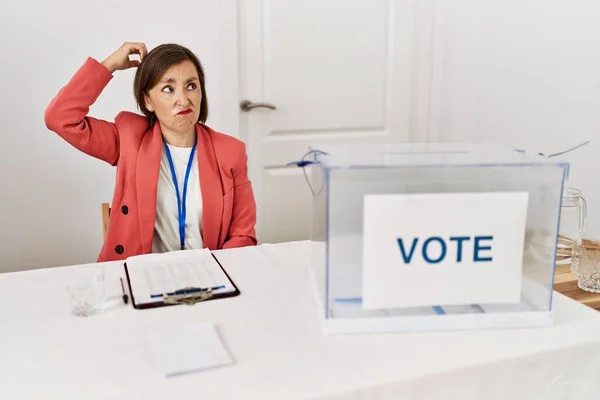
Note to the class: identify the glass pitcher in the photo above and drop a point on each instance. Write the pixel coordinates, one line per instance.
(573, 215)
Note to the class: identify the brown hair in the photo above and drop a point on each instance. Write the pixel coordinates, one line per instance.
(152, 68)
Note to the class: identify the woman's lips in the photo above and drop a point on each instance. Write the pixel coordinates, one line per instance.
(185, 112)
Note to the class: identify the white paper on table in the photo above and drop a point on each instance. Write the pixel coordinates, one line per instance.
(190, 348)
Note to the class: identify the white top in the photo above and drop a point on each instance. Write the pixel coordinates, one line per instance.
(166, 225)
(272, 331)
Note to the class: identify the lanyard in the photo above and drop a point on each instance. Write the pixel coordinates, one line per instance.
(181, 209)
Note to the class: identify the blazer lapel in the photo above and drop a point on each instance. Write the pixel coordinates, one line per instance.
(147, 170)
(210, 185)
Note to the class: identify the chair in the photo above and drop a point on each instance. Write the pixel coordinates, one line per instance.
(105, 219)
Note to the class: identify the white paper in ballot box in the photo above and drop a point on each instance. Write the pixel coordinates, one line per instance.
(443, 248)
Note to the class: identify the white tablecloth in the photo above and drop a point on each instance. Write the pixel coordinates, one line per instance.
(272, 331)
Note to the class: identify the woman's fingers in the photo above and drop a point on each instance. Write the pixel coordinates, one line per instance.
(120, 60)
(133, 64)
(138, 48)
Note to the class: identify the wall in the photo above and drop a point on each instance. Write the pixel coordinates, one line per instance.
(520, 72)
(51, 193)
(524, 73)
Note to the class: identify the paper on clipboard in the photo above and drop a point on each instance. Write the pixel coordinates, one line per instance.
(153, 275)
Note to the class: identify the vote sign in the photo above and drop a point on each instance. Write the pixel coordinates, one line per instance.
(443, 248)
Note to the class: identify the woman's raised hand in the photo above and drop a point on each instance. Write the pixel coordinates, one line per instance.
(119, 60)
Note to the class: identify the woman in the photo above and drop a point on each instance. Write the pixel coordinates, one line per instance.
(179, 184)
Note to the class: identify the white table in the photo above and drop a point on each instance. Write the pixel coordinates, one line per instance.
(273, 333)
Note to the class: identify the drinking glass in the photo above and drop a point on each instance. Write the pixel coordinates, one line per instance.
(588, 257)
(86, 290)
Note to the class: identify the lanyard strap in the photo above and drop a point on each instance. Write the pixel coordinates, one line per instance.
(181, 209)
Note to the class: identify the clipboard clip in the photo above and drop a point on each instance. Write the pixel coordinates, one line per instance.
(189, 298)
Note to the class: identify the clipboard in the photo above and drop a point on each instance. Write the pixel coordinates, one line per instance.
(189, 298)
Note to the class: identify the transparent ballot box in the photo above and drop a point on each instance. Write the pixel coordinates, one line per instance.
(422, 237)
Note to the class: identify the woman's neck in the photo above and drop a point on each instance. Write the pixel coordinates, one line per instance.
(178, 139)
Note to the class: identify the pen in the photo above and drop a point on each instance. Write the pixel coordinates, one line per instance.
(125, 297)
(188, 290)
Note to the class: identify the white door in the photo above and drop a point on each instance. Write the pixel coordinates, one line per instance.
(335, 71)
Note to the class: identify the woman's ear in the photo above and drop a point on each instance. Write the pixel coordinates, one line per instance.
(147, 103)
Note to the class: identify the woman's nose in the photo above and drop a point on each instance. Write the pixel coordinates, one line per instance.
(183, 99)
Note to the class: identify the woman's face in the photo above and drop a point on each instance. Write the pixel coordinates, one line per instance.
(176, 98)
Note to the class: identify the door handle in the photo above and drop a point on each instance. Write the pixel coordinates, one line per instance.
(247, 105)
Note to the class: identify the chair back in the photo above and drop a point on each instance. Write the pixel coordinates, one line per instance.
(105, 219)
